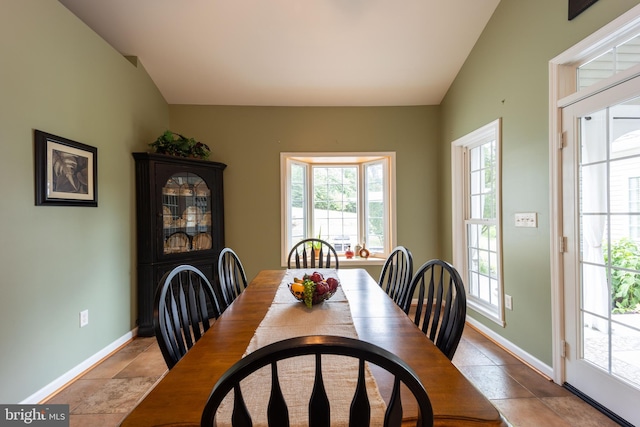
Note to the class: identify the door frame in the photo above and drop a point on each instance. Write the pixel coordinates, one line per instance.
(562, 84)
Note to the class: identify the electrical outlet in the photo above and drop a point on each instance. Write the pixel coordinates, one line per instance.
(526, 219)
(508, 302)
(84, 318)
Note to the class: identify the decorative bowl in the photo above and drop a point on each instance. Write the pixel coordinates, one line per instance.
(322, 289)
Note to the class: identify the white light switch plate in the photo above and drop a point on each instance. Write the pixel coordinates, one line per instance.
(527, 219)
(84, 318)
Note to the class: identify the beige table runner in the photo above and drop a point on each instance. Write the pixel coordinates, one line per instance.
(288, 318)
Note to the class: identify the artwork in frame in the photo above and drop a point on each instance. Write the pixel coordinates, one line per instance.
(576, 7)
(66, 171)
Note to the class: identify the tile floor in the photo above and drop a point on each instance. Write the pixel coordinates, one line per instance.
(104, 395)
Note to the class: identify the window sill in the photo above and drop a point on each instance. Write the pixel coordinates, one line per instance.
(360, 261)
(355, 262)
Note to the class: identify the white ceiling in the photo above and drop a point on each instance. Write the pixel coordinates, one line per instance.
(293, 52)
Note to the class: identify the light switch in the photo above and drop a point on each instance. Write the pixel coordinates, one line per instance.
(527, 219)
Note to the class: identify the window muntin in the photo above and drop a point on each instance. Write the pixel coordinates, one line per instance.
(344, 198)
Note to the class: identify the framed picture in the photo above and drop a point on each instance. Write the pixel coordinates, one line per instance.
(66, 171)
(576, 7)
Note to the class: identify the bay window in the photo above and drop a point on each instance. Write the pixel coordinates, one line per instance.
(347, 199)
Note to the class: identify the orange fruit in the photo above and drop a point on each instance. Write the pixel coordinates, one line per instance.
(297, 289)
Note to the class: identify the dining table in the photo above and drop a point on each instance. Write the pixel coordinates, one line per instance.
(179, 397)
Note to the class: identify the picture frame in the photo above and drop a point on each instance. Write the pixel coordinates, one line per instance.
(66, 171)
(576, 7)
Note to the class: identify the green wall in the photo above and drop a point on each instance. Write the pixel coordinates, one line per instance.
(506, 75)
(250, 139)
(58, 76)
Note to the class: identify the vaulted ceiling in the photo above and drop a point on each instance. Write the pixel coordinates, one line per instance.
(293, 52)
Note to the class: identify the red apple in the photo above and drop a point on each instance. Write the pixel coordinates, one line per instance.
(333, 284)
(316, 277)
(322, 288)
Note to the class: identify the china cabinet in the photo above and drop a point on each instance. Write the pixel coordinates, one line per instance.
(180, 220)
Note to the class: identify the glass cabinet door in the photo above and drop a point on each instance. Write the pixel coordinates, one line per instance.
(186, 214)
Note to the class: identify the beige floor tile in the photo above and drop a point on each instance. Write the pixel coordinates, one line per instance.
(96, 420)
(578, 412)
(149, 363)
(472, 335)
(117, 396)
(529, 412)
(139, 345)
(111, 366)
(76, 393)
(494, 382)
(534, 382)
(468, 354)
(496, 353)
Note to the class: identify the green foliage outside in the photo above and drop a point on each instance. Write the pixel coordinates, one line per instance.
(335, 189)
(625, 285)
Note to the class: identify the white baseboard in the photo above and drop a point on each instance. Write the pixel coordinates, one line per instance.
(70, 375)
(512, 348)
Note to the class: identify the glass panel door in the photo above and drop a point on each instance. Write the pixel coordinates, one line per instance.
(601, 169)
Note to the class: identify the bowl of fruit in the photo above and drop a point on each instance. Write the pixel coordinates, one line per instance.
(313, 288)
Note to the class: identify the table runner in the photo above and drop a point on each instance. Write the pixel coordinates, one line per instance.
(288, 318)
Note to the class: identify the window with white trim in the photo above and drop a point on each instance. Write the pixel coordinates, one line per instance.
(476, 223)
(346, 199)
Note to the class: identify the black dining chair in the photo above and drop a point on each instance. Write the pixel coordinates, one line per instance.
(312, 253)
(184, 306)
(231, 277)
(319, 405)
(396, 275)
(441, 304)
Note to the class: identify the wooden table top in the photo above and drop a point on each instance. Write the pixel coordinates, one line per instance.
(179, 398)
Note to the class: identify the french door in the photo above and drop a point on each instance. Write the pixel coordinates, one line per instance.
(601, 220)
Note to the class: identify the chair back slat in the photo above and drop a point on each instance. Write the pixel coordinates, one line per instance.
(240, 416)
(194, 313)
(203, 312)
(178, 318)
(175, 346)
(277, 410)
(232, 279)
(393, 414)
(442, 314)
(303, 255)
(183, 306)
(436, 304)
(360, 411)
(447, 324)
(319, 414)
(396, 274)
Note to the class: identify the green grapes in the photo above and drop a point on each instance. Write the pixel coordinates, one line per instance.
(309, 290)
